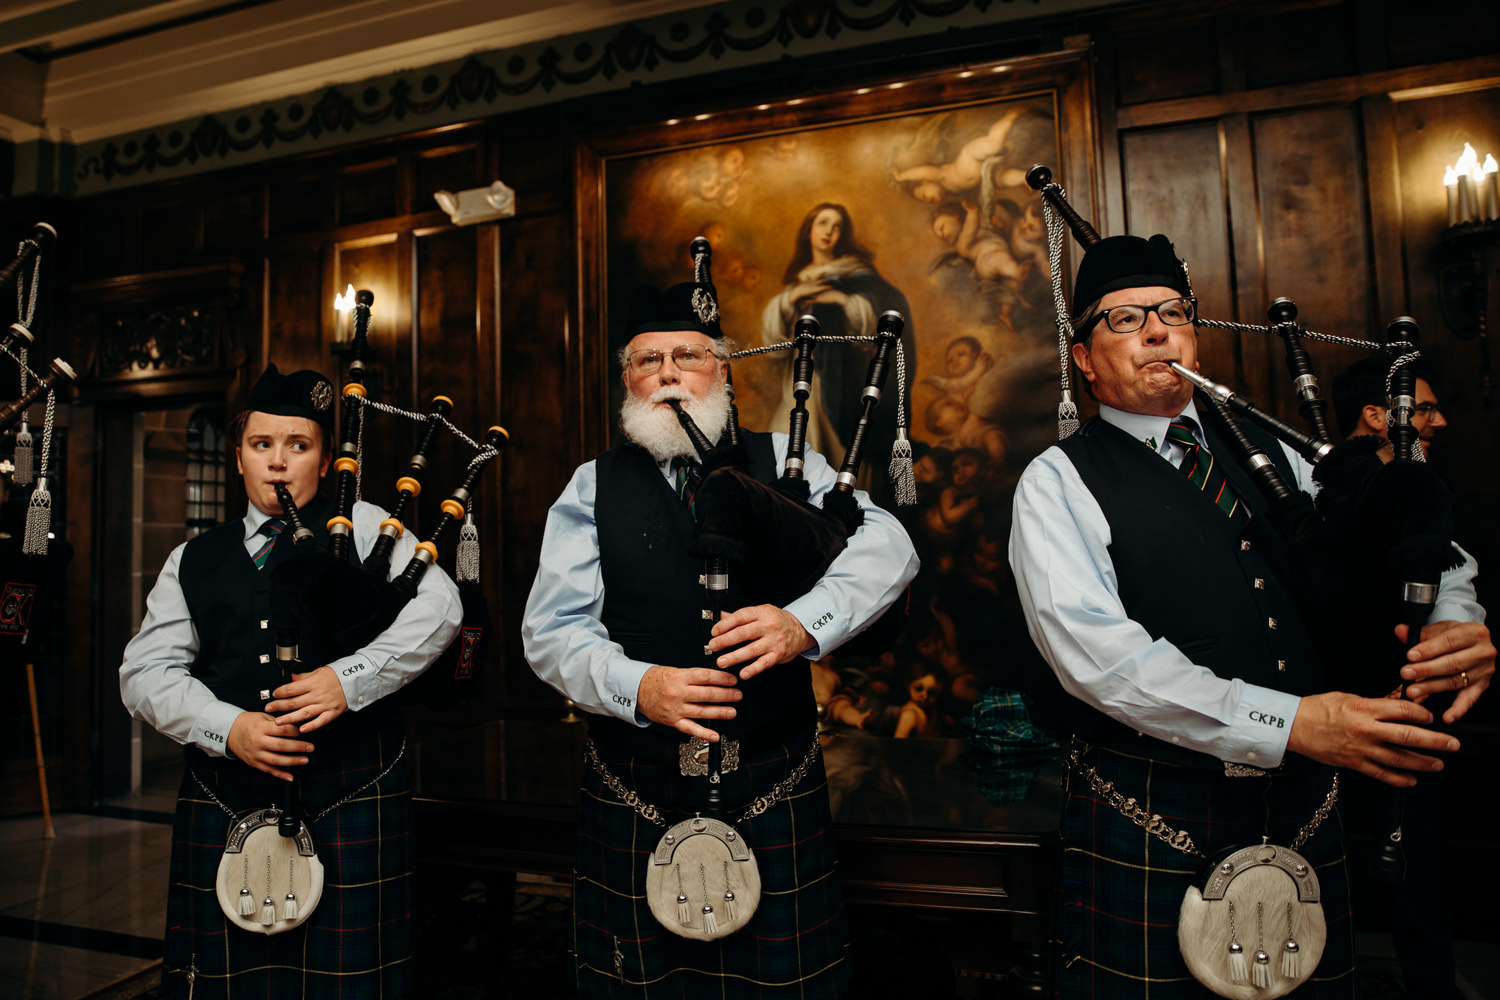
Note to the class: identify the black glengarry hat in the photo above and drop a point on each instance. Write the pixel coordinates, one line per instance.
(303, 393)
(1128, 262)
(688, 306)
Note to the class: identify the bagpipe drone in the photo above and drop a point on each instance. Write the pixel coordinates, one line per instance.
(25, 273)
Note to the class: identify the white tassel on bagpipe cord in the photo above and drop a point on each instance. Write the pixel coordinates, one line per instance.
(903, 481)
(466, 562)
(38, 520)
(1067, 419)
(25, 459)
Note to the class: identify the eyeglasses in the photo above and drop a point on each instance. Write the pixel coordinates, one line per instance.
(1130, 318)
(685, 356)
(1427, 409)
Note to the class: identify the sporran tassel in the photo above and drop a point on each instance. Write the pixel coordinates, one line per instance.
(1261, 976)
(710, 925)
(684, 912)
(903, 481)
(247, 903)
(1238, 971)
(38, 520)
(466, 563)
(729, 906)
(268, 912)
(25, 461)
(1290, 953)
(289, 909)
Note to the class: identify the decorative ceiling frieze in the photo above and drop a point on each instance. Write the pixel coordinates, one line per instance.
(669, 47)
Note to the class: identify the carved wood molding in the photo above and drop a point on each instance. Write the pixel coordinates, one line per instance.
(143, 328)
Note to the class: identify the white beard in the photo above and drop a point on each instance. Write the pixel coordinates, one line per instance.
(657, 429)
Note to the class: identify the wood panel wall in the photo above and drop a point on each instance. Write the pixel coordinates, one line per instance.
(1289, 149)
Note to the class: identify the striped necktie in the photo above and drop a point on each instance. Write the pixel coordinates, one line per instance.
(271, 529)
(1203, 472)
(688, 477)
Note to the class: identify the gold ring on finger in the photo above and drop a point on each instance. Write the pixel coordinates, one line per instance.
(1465, 675)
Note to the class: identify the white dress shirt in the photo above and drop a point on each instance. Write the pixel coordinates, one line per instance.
(158, 687)
(568, 646)
(1059, 549)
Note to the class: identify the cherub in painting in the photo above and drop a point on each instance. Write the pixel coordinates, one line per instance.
(934, 182)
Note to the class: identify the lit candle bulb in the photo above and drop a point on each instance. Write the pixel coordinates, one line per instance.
(1491, 187)
(342, 306)
(1468, 203)
(1450, 184)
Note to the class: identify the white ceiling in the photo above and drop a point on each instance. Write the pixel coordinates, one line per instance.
(80, 70)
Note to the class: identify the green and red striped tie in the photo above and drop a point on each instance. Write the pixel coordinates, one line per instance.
(1203, 472)
(270, 529)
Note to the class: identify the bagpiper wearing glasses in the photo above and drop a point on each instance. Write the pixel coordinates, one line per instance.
(615, 623)
(1155, 589)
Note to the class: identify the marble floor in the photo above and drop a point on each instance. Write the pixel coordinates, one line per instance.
(86, 908)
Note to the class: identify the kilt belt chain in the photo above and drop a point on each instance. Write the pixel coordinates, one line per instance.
(1153, 824)
(293, 871)
(704, 856)
(651, 814)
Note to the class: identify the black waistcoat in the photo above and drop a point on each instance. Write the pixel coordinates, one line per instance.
(653, 600)
(1218, 591)
(230, 603)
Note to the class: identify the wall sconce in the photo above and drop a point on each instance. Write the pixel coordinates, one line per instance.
(343, 343)
(468, 208)
(1470, 253)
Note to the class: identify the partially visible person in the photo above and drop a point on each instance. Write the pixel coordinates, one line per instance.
(1359, 399)
(1421, 922)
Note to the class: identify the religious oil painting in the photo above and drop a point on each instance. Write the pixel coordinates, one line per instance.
(926, 213)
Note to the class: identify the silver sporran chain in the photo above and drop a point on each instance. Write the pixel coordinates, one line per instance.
(1153, 824)
(651, 814)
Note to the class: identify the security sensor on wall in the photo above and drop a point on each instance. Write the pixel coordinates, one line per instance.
(478, 205)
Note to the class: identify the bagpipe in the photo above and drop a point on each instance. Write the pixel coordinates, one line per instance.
(1372, 546)
(17, 342)
(777, 544)
(354, 601)
(768, 534)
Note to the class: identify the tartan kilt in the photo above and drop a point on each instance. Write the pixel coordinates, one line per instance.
(358, 942)
(1122, 888)
(796, 945)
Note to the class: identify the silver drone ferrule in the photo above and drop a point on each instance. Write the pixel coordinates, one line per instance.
(1419, 593)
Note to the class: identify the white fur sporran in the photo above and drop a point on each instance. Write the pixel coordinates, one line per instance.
(268, 883)
(1254, 928)
(702, 882)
